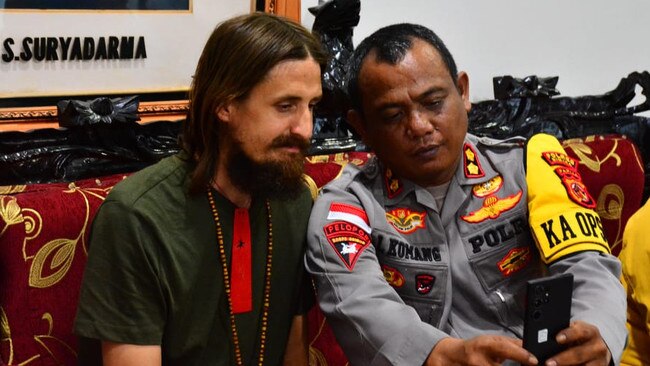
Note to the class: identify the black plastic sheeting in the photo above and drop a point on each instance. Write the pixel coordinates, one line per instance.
(526, 106)
(101, 110)
(333, 24)
(66, 154)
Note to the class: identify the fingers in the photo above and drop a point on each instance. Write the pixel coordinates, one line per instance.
(498, 349)
(481, 350)
(585, 346)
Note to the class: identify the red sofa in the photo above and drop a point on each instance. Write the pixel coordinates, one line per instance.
(44, 232)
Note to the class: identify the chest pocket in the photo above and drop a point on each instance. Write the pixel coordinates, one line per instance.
(417, 272)
(504, 256)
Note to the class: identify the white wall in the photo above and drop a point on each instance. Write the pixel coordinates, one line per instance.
(589, 44)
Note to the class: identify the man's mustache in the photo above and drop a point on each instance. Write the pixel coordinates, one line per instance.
(291, 141)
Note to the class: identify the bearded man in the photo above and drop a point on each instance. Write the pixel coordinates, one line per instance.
(197, 260)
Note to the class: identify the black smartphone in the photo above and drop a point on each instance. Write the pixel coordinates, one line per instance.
(548, 311)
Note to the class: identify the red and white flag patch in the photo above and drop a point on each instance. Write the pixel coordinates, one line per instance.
(348, 240)
(349, 213)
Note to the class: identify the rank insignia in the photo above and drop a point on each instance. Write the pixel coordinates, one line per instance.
(393, 185)
(424, 283)
(472, 165)
(392, 276)
(405, 221)
(492, 208)
(348, 240)
(488, 188)
(515, 260)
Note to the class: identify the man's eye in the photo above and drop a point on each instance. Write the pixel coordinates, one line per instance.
(392, 117)
(285, 107)
(433, 104)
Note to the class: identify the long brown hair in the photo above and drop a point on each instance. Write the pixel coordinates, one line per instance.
(237, 56)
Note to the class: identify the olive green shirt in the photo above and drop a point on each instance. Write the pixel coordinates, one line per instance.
(154, 275)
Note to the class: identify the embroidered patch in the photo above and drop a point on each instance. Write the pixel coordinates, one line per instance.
(393, 185)
(405, 221)
(492, 208)
(392, 276)
(514, 261)
(488, 188)
(349, 241)
(554, 158)
(565, 167)
(350, 213)
(473, 167)
(571, 231)
(575, 188)
(424, 283)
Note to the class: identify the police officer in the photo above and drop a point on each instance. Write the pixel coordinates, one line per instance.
(422, 255)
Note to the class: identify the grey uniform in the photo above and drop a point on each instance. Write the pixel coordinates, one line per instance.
(395, 273)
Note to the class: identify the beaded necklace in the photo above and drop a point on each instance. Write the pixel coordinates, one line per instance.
(226, 281)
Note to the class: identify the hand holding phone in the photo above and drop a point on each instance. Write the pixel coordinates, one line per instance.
(548, 311)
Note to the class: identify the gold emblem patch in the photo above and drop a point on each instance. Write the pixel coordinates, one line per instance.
(492, 208)
(404, 220)
(488, 188)
(515, 260)
(392, 276)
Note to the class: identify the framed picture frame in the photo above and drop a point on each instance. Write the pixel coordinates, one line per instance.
(51, 50)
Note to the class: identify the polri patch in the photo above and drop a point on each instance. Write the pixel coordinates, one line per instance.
(472, 166)
(393, 276)
(492, 208)
(406, 221)
(348, 240)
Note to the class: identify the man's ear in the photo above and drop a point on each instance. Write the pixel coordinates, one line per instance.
(462, 83)
(358, 123)
(224, 111)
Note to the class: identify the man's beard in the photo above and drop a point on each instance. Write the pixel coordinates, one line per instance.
(277, 179)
